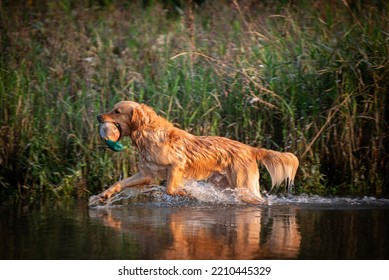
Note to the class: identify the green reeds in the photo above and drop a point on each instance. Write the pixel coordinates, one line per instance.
(309, 80)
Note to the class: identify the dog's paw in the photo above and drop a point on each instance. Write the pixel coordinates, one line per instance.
(94, 201)
(182, 192)
(100, 199)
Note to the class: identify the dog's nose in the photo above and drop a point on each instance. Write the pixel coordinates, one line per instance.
(100, 118)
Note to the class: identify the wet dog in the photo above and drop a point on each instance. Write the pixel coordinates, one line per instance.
(169, 153)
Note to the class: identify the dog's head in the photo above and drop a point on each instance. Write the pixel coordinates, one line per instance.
(128, 116)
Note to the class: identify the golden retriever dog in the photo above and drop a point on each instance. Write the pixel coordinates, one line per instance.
(169, 153)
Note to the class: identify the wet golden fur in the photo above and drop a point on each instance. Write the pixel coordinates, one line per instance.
(174, 155)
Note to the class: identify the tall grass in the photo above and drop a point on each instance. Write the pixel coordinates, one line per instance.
(292, 77)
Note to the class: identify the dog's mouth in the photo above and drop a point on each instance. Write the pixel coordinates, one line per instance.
(120, 130)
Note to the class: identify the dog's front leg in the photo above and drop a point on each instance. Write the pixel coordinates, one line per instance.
(175, 181)
(139, 179)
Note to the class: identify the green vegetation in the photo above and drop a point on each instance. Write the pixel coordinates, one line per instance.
(310, 78)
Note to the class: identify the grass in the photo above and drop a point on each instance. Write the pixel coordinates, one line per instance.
(310, 79)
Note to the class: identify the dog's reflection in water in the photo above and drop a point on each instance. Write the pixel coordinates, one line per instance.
(213, 232)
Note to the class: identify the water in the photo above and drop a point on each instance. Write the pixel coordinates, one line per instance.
(145, 223)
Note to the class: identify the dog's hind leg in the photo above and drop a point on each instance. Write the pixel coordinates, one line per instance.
(245, 179)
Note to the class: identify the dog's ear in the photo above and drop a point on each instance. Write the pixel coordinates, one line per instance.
(137, 118)
(141, 115)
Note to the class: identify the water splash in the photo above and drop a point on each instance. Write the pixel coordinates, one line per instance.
(202, 193)
(207, 192)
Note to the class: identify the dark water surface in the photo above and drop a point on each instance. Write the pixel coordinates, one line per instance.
(295, 227)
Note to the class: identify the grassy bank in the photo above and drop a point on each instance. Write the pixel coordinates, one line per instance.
(310, 78)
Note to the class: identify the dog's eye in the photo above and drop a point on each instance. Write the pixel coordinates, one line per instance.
(117, 111)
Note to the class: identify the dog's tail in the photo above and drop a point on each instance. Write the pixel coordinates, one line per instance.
(281, 166)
